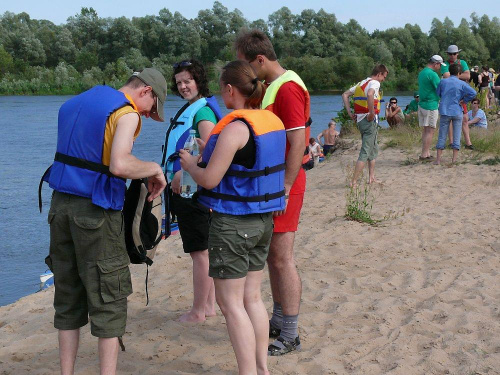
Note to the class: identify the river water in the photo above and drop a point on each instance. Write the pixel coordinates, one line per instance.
(29, 126)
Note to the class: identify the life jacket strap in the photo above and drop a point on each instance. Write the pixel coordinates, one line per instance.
(263, 172)
(75, 162)
(40, 188)
(82, 163)
(236, 198)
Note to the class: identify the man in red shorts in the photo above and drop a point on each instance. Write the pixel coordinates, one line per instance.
(288, 98)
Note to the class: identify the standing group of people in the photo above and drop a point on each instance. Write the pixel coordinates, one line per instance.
(246, 210)
(444, 99)
(447, 100)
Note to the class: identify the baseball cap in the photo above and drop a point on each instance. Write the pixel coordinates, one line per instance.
(155, 79)
(437, 59)
(453, 49)
(415, 94)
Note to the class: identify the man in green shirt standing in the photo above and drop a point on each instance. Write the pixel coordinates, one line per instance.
(428, 114)
(464, 75)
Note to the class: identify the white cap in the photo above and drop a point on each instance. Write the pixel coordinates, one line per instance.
(453, 49)
(437, 59)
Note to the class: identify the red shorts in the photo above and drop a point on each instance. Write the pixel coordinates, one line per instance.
(290, 220)
(464, 107)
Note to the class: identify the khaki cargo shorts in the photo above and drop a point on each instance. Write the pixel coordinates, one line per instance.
(90, 264)
(238, 244)
(369, 140)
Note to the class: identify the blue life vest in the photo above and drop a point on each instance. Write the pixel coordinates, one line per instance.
(178, 131)
(78, 167)
(261, 188)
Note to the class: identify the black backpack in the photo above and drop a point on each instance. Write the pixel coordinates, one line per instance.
(142, 221)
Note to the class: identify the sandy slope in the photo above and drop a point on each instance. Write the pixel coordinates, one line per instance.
(418, 294)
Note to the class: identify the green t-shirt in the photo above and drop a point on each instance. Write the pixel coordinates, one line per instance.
(412, 107)
(204, 114)
(446, 69)
(428, 81)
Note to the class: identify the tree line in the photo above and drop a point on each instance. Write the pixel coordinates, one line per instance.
(39, 57)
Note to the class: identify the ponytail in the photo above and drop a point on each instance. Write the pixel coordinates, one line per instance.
(241, 75)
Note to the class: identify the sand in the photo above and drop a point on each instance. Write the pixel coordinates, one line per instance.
(417, 294)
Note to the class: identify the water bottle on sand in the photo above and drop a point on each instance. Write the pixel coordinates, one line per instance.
(188, 186)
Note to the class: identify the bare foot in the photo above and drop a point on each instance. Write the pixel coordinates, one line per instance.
(375, 181)
(191, 317)
(266, 372)
(437, 162)
(353, 184)
(210, 312)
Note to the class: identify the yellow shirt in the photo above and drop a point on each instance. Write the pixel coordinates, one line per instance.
(111, 123)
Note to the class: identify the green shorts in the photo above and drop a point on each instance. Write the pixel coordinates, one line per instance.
(238, 244)
(90, 264)
(369, 144)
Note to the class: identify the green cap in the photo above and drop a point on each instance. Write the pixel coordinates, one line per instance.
(155, 79)
(415, 94)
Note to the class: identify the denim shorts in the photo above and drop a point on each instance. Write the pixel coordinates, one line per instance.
(238, 244)
(90, 264)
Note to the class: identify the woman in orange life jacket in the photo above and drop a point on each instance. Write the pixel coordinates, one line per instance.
(241, 147)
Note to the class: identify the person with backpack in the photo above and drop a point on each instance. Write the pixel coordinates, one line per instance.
(200, 113)
(88, 255)
(241, 178)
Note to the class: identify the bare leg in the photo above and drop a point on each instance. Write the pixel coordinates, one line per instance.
(68, 347)
(286, 285)
(465, 129)
(108, 355)
(427, 134)
(357, 172)
(450, 133)
(371, 172)
(202, 284)
(455, 156)
(438, 157)
(210, 305)
(256, 310)
(230, 294)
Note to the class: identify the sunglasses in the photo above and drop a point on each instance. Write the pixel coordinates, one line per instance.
(182, 64)
(394, 102)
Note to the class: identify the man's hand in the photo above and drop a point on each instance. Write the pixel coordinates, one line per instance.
(283, 211)
(370, 117)
(156, 184)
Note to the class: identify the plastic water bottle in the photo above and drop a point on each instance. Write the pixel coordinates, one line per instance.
(188, 186)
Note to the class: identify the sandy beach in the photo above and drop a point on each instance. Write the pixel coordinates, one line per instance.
(417, 294)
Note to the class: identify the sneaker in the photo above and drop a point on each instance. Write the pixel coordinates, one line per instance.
(469, 147)
(274, 333)
(282, 346)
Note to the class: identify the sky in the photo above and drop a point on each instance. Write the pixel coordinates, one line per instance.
(371, 15)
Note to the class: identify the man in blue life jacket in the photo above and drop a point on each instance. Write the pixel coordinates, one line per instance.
(96, 132)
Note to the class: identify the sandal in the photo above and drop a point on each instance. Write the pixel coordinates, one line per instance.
(274, 333)
(282, 346)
